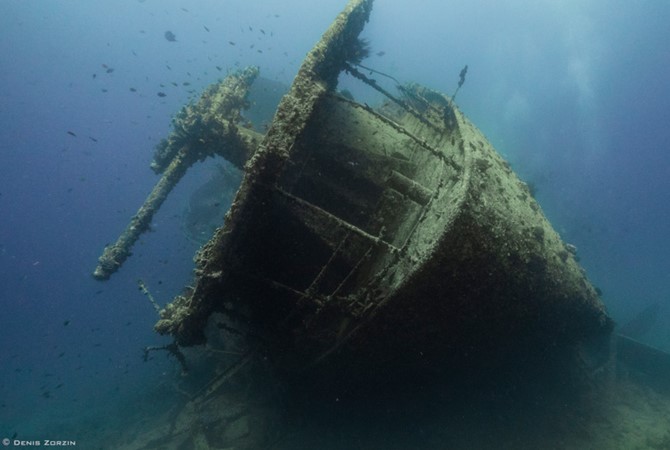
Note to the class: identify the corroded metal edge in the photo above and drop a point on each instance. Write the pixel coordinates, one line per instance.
(186, 316)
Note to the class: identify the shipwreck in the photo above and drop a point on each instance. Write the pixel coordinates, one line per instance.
(365, 241)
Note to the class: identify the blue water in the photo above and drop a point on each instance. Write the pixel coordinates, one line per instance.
(574, 94)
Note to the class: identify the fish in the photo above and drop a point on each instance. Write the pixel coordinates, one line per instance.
(71, 133)
(206, 29)
(133, 89)
(109, 70)
(169, 35)
(93, 139)
(231, 42)
(162, 94)
(381, 53)
(66, 323)
(464, 72)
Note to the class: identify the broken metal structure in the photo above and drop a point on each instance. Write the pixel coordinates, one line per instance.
(366, 240)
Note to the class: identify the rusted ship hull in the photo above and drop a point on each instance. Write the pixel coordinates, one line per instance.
(383, 238)
(381, 245)
(367, 239)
